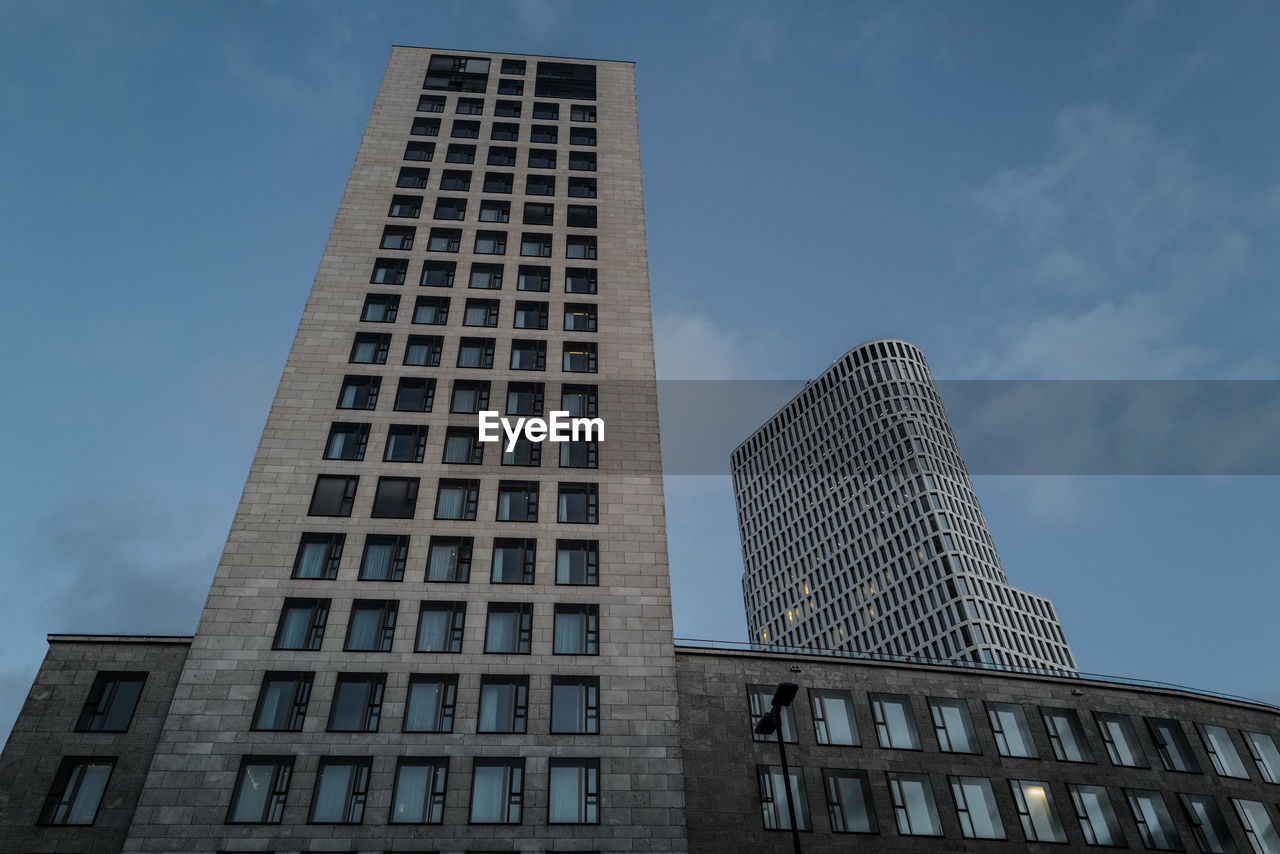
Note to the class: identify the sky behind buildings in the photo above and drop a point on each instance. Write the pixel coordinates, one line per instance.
(1047, 191)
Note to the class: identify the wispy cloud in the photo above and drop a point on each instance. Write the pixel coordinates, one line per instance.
(692, 347)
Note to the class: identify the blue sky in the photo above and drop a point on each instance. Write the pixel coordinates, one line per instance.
(1042, 191)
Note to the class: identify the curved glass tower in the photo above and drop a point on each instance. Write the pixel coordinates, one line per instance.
(861, 530)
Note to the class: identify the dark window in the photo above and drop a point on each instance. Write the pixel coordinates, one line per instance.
(431, 703)
(347, 441)
(444, 240)
(469, 396)
(455, 179)
(575, 704)
(419, 792)
(505, 132)
(582, 136)
(580, 357)
(373, 625)
(531, 315)
(480, 312)
(432, 311)
(533, 278)
(509, 628)
(318, 556)
(578, 562)
(582, 188)
(528, 355)
(440, 626)
(566, 80)
(462, 445)
(450, 209)
(580, 454)
(504, 702)
(111, 701)
(513, 561)
(431, 103)
(760, 701)
(539, 213)
(513, 66)
(370, 348)
(261, 788)
(405, 206)
(583, 216)
(415, 394)
(380, 308)
(580, 246)
(543, 133)
(491, 243)
(500, 155)
(301, 624)
(576, 630)
(849, 801)
(470, 107)
(498, 182)
(357, 702)
(395, 498)
(535, 245)
(419, 151)
(334, 495)
(582, 113)
(497, 791)
(583, 161)
(282, 701)
(540, 185)
(546, 110)
(439, 274)
(492, 211)
(425, 127)
(389, 271)
(579, 400)
(579, 502)
(525, 398)
(465, 129)
(580, 280)
(341, 787)
(423, 350)
(523, 453)
(398, 237)
(507, 109)
(574, 792)
(449, 559)
(475, 353)
(1172, 745)
(580, 317)
(456, 499)
(510, 87)
(384, 557)
(518, 501)
(459, 153)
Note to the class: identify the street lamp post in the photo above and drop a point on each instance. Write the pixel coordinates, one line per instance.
(771, 722)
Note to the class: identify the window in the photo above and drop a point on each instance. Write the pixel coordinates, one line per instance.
(566, 80)
(507, 109)
(582, 136)
(475, 353)
(542, 158)
(531, 315)
(535, 245)
(457, 73)
(582, 113)
(582, 188)
(1066, 734)
(357, 702)
(469, 396)
(301, 624)
(341, 787)
(579, 502)
(513, 66)
(895, 724)
(419, 791)
(282, 701)
(504, 704)
(422, 151)
(423, 350)
(540, 185)
(503, 131)
(455, 179)
(548, 111)
(444, 240)
(466, 129)
(459, 153)
(578, 400)
(1263, 750)
(261, 788)
(544, 133)
(510, 87)
(493, 211)
(524, 398)
(470, 107)
(1207, 823)
(334, 495)
(111, 701)
(578, 562)
(430, 703)
(774, 794)
(480, 312)
(1172, 745)
(533, 278)
(462, 445)
(575, 704)
(1039, 818)
(497, 789)
(389, 271)
(1154, 822)
(440, 626)
(976, 806)
(380, 308)
(528, 355)
(396, 237)
(318, 556)
(913, 805)
(456, 499)
(953, 726)
(433, 311)
(487, 276)
(431, 103)
(849, 801)
(577, 630)
(449, 559)
(1226, 761)
(405, 206)
(447, 208)
(518, 501)
(580, 280)
(583, 161)
(415, 394)
(579, 454)
(538, 213)
(1258, 827)
(1120, 739)
(833, 719)
(438, 274)
(574, 792)
(373, 625)
(425, 127)
(580, 246)
(760, 699)
(582, 216)
(1097, 818)
(384, 557)
(1013, 735)
(497, 182)
(513, 561)
(491, 243)
(580, 317)
(370, 348)
(395, 498)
